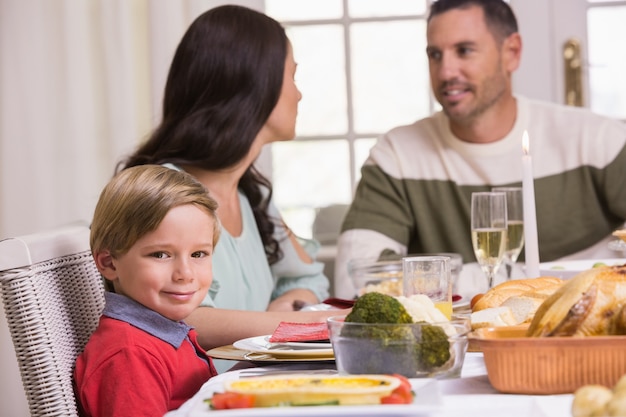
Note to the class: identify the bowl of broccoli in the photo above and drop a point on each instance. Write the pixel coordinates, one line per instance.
(379, 336)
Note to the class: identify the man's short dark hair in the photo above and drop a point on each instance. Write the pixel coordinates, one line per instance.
(499, 16)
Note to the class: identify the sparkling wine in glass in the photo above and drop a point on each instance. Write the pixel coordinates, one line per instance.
(515, 226)
(489, 229)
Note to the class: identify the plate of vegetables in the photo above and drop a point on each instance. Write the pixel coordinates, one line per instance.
(292, 395)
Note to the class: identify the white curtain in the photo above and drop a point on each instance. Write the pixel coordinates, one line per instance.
(75, 84)
(80, 86)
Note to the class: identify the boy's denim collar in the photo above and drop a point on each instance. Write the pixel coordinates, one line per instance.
(126, 309)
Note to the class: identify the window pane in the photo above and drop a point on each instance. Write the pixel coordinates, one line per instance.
(304, 10)
(307, 175)
(361, 152)
(375, 8)
(320, 76)
(313, 173)
(607, 62)
(389, 74)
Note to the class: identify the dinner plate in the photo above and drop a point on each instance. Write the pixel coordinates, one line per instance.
(462, 303)
(306, 345)
(335, 411)
(259, 344)
(567, 269)
(427, 400)
(231, 353)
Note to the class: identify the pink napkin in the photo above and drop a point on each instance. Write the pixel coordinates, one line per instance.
(339, 302)
(300, 332)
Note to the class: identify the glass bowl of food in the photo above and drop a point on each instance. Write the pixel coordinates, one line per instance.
(415, 350)
(385, 275)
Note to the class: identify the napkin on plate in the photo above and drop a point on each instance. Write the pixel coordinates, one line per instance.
(300, 332)
(339, 302)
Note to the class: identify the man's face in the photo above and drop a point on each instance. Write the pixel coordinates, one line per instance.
(469, 70)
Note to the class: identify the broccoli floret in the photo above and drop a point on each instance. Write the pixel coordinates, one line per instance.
(408, 350)
(374, 307)
(434, 349)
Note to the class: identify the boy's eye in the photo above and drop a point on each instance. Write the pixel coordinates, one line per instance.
(159, 255)
(199, 254)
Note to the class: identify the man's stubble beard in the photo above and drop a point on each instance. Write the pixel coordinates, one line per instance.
(494, 89)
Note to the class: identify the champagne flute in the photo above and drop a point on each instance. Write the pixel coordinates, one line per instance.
(489, 231)
(514, 226)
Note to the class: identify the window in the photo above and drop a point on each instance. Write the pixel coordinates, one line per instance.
(362, 69)
(606, 60)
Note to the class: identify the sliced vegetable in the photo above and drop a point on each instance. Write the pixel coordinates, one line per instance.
(230, 400)
(405, 386)
(393, 398)
(401, 395)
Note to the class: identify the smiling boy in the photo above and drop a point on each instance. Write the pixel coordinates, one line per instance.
(152, 239)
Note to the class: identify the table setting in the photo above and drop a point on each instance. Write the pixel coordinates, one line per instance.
(306, 349)
(412, 346)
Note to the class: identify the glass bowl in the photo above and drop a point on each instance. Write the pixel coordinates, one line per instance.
(385, 276)
(416, 350)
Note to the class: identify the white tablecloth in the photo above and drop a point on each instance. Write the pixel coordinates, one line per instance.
(469, 395)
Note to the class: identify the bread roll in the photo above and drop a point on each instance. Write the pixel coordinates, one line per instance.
(591, 400)
(523, 307)
(493, 317)
(540, 288)
(617, 405)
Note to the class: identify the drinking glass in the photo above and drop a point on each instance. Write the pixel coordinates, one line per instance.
(489, 231)
(514, 226)
(429, 275)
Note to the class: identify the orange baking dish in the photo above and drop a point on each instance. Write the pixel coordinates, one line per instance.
(549, 365)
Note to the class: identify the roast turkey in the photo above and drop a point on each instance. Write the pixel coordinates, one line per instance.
(591, 303)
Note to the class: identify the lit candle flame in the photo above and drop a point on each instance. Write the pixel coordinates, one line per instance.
(525, 144)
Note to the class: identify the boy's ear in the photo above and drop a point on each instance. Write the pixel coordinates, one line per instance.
(104, 263)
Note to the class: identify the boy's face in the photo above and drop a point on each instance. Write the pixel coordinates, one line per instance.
(170, 269)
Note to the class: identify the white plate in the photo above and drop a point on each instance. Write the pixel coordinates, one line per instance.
(335, 411)
(259, 344)
(308, 345)
(567, 269)
(427, 401)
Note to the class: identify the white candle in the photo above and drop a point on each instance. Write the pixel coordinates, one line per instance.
(531, 244)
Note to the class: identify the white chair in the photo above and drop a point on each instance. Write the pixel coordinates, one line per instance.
(53, 296)
(327, 223)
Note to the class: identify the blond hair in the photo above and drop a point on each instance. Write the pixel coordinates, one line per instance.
(135, 202)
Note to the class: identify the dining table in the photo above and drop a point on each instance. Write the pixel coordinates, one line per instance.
(470, 394)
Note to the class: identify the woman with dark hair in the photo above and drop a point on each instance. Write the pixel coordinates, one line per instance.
(231, 90)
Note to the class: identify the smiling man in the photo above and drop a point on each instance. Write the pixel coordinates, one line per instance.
(415, 190)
